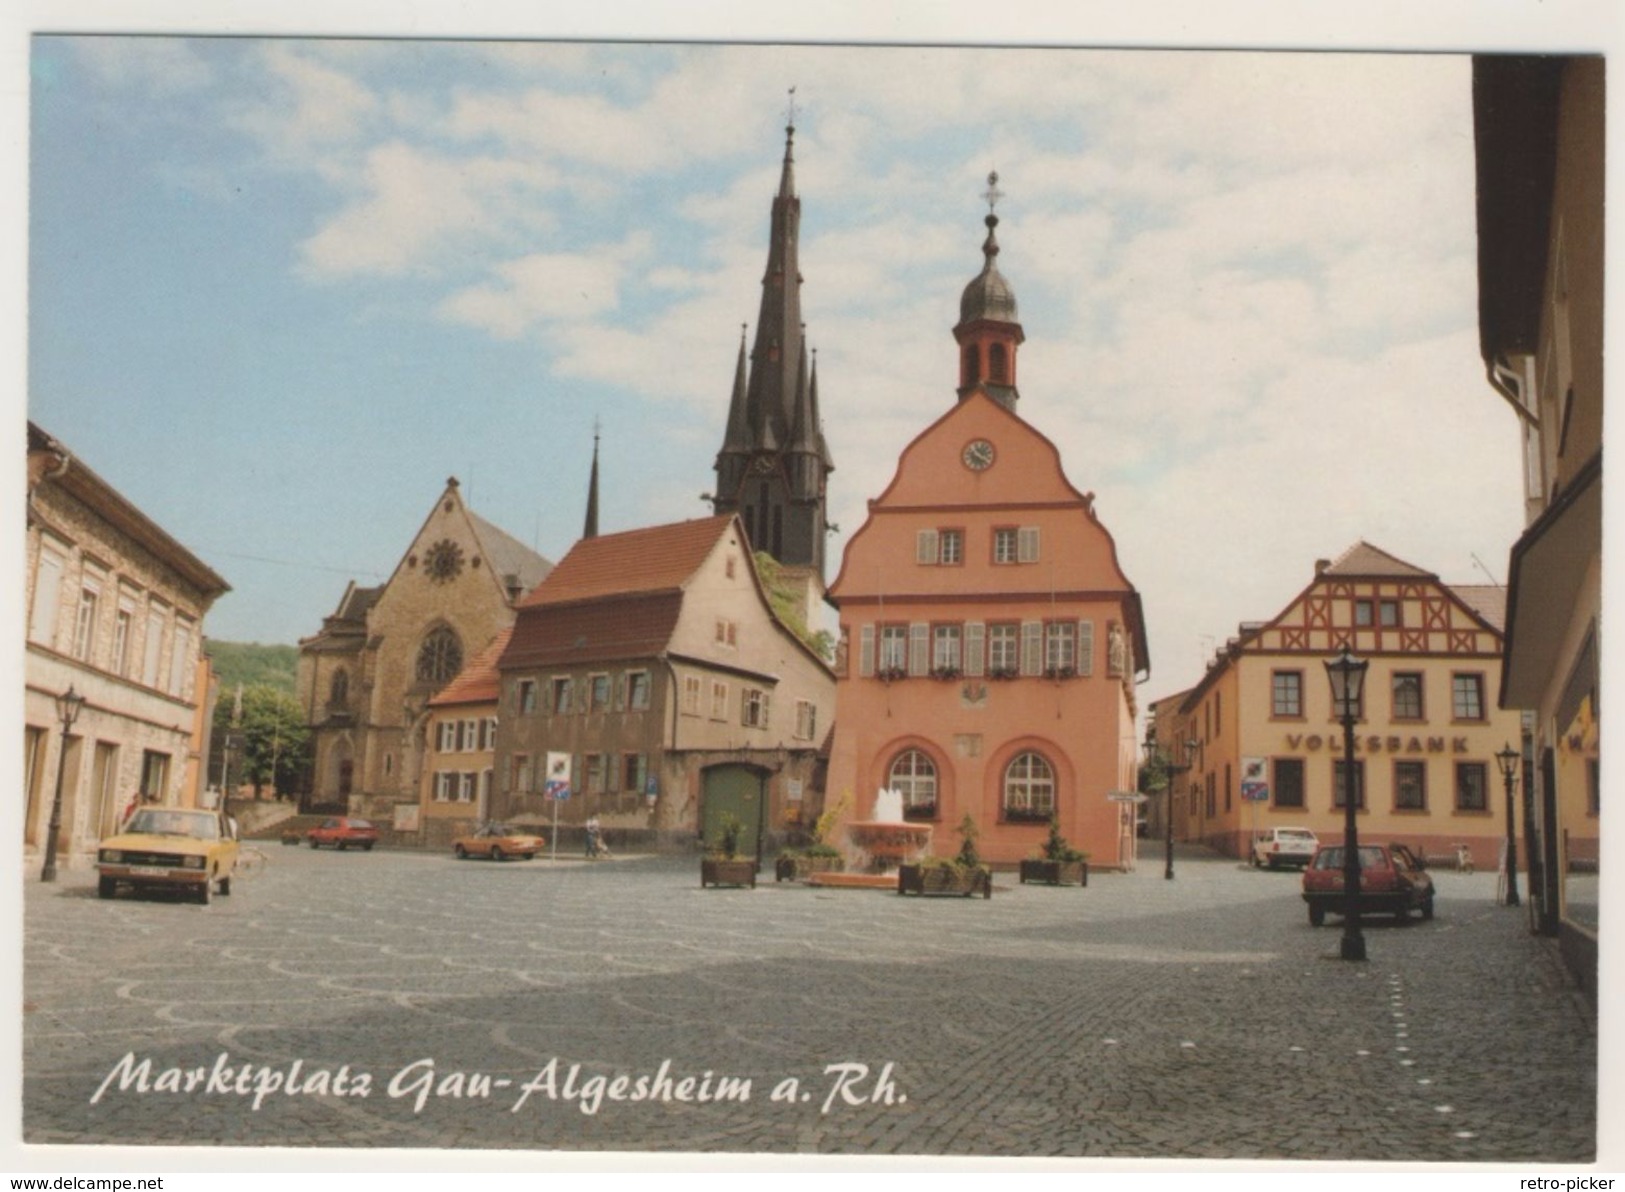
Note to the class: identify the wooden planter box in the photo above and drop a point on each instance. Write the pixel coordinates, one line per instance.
(939, 879)
(795, 869)
(719, 871)
(1056, 873)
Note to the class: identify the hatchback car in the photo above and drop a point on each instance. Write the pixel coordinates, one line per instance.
(170, 848)
(342, 832)
(1393, 881)
(498, 842)
(1284, 846)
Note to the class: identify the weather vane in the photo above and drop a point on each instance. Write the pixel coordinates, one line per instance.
(992, 194)
(790, 110)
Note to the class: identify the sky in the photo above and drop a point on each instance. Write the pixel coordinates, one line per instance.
(280, 289)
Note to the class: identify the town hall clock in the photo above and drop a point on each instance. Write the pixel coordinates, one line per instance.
(978, 455)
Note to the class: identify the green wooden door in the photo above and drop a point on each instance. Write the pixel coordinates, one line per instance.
(738, 791)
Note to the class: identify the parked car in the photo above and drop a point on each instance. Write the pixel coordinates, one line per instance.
(1284, 846)
(1393, 881)
(170, 848)
(498, 842)
(342, 832)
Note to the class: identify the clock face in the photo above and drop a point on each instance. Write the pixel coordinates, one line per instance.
(978, 455)
(443, 561)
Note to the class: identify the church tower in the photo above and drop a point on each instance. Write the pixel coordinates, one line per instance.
(988, 333)
(774, 463)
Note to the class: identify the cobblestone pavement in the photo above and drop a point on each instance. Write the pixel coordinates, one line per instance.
(1202, 1018)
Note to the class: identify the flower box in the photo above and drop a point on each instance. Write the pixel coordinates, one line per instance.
(727, 871)
(795, 869)
(1055, 873)
(945, 880)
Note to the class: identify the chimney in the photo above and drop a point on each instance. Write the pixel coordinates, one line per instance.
(1321, 565)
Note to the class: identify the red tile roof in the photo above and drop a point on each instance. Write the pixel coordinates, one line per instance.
(478, 681)
(656, 559)
(608, 630)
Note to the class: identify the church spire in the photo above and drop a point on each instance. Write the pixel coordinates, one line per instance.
(772, 466)
(590, 528)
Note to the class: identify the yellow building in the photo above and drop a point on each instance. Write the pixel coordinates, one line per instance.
(1268, 752)
(461, 750)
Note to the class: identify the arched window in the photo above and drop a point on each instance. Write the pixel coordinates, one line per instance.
(914, 776)
(440, 657)
(1029, 788)
(973, 364)
(339, 693)
(998, 364)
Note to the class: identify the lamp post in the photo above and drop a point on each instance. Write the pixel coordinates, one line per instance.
(1509, 758)
(68, 706)
(1347, 676)
(1171, 770)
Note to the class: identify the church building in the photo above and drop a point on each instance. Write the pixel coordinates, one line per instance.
(366, 678)
(990, 640)
(774, 462)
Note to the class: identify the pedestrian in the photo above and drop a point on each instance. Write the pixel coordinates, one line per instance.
(594, 844)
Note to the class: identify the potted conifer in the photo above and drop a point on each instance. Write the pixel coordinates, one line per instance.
(1061, 864)
(723, 865)
(963, 874)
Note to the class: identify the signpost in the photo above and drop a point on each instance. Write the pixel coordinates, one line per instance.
(1255, 789)
(557, 789)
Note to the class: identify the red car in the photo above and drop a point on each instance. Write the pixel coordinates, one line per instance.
(343, 831)
(1392, 881)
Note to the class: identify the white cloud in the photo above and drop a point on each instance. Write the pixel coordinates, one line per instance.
(546, 289)
(161, 65)
(414, 208)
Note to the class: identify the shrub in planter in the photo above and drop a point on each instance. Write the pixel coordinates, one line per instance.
(1060, 864)
(963, 874)
(820, 856)
(723, 866)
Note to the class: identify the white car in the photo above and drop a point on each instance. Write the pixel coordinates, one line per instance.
(1284, 846)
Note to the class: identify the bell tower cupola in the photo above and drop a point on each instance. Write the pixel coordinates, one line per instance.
(988, 333)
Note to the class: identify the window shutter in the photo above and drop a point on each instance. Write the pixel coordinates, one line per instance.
(925, 548)
(767, 709)
(975, 633)
(1086, 648)
(1032, 647)
(1027, 544)
(919, 648)
(866, 651)
(47, 590)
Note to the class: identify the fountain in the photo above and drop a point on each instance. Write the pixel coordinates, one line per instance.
(877, 845)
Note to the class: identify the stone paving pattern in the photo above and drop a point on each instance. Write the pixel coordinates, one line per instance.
(1200, 1018)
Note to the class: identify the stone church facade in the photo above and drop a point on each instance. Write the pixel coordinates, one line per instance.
(366, 678)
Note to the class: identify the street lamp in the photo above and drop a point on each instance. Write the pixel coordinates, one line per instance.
(1509, 758)
(68, 706)
(1347, 676)
(1171, 770)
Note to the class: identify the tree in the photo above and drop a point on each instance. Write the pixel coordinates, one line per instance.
(271, 739)
(782, 597)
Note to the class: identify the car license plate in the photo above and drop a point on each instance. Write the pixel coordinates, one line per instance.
(149, 870)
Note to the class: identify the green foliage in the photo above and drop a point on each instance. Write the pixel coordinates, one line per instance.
(968, 833)
(254, 665)
(272, 738)
(782, 597)
(728, 835)
(1154, 774)
(1056, 848)
(825, 824)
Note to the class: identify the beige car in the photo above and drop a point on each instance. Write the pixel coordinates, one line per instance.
(170, 848)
